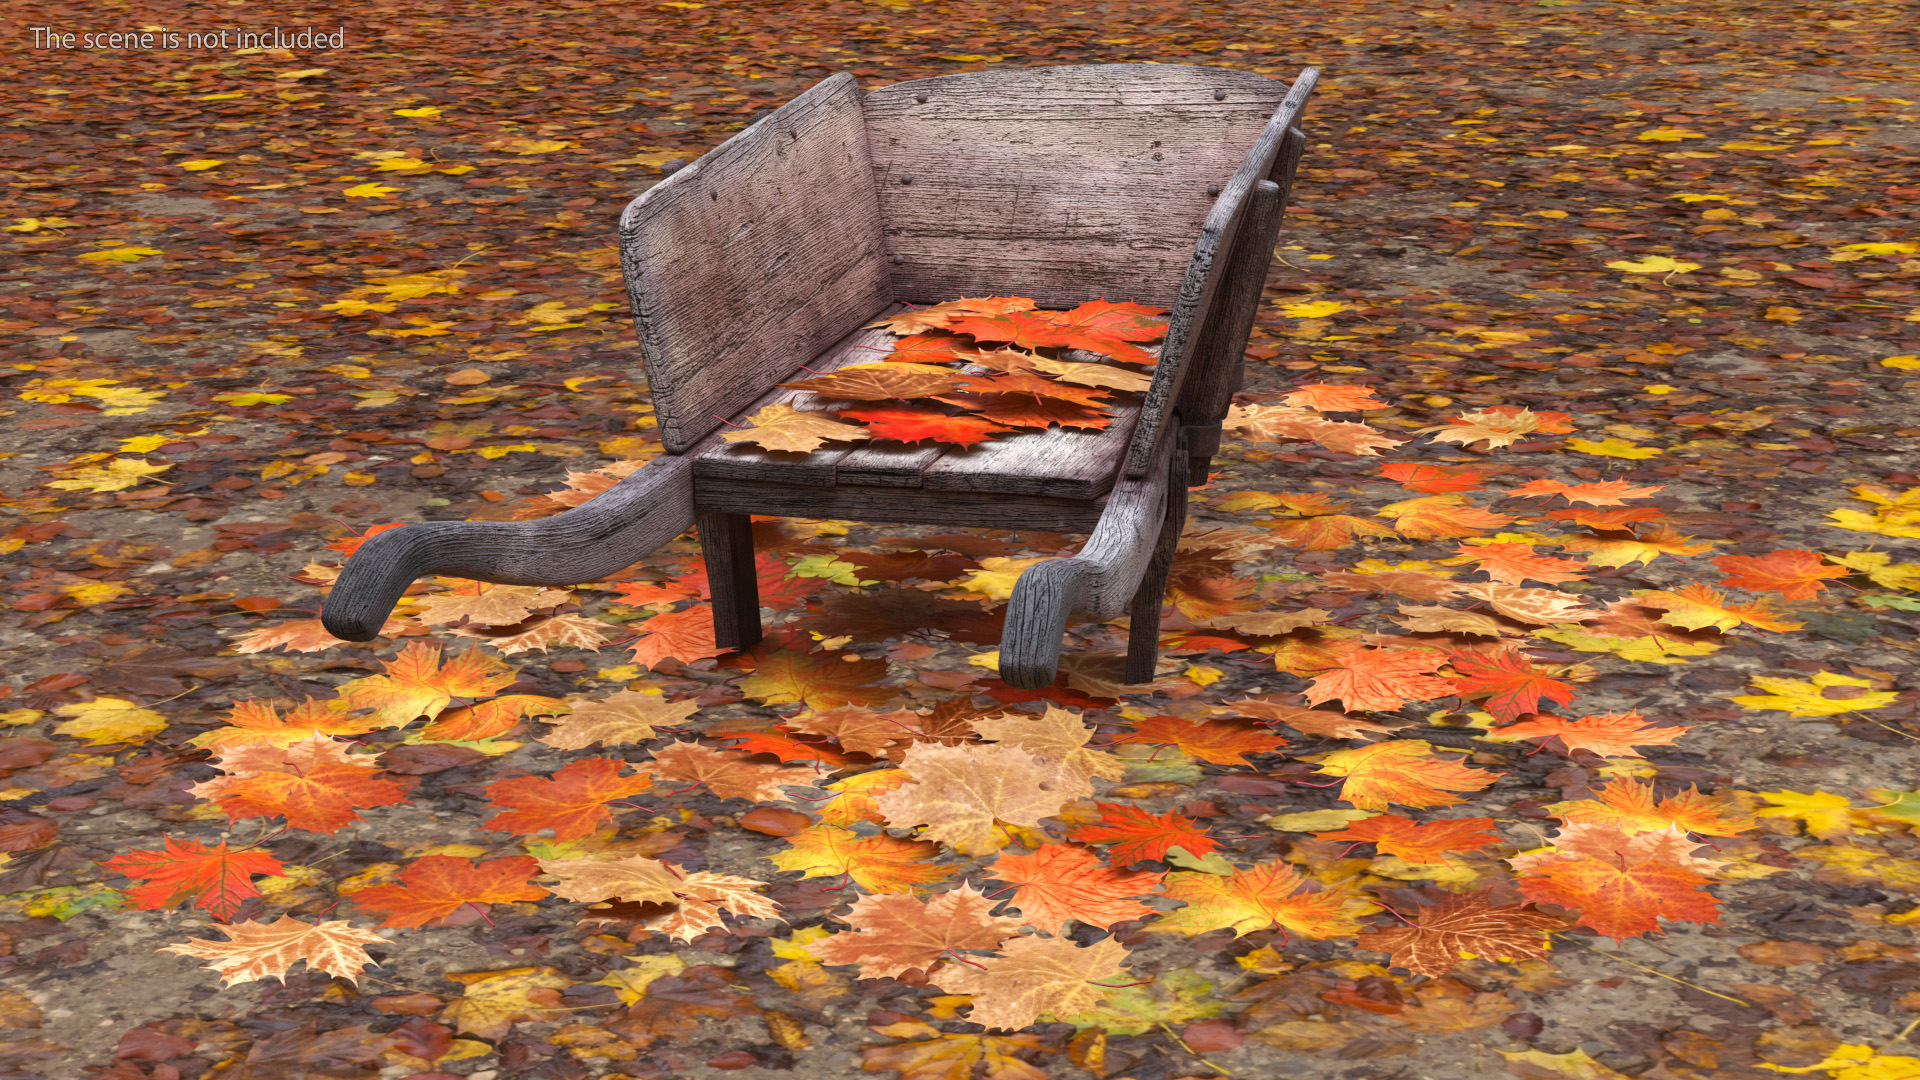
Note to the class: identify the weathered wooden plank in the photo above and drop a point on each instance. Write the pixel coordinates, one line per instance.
(726, 545)
(746, 461)
(754, 259)
(604, 535)
(1204, 272)
(1100, 581)
(1061, 462)
(1218, 360)
(886, 464)
(901, 505)
(1060, 183)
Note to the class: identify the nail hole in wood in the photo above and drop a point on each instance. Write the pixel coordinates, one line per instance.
(921, 98)
(906, 178)
(1219, 95)
(714, 196)
(898, 259)
(1213, 190)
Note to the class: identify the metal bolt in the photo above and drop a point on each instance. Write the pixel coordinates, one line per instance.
(921, 98)
(1219, 95)
(898, 259)
(1213, 190)
(906, 178)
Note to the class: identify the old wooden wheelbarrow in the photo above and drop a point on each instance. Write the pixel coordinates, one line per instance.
(1161, 184)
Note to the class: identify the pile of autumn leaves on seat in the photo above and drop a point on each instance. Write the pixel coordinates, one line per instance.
(983, 368)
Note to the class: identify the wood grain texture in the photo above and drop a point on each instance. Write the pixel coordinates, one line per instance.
(753, 259)
(1103, 579)
(1061, 462)
(746, 461)
(726, 545)
(1218, 358)
(1061, 183)
(604, 535)
(1143, 611)
(901, 505)
(1204, 272)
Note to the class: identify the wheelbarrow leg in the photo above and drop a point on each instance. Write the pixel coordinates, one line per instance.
(726, 543)
(1143, 613)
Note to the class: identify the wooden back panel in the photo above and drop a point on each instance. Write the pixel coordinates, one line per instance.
(752, 260)
(1060, 183)
(1206, 270)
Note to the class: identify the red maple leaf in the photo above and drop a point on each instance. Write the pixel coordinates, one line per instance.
(1415, 842)
(918, 425)
(1432, 479)
(1334, 397)
(435, 887)
(685, 636)
(572, 802)
(218, 879)
(349, 545)
(1137, 835)
(1515, 687)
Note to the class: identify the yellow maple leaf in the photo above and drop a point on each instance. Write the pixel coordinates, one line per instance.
(89, 593)
(1802, 697)
(357, 307)
(1614, 448)
(1654, 264)
(116, 475)
(1896, 247)
(1314, 309)
(396, 164)
(244, 398)
(423, 112)
(370, 191)
(1647, 650)
(530, 146)
(1667, 134)
(109, 720)
(118, 255)
(994, 580)
(202, 164)
(1880, 568)
(1825, 815)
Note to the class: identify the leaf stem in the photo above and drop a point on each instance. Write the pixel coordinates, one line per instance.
(1652, 971)
(1175, 1036)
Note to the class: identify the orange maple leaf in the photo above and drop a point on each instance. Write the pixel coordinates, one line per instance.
(1058, 882)
(349, 545)
(571, 802)
(891, 933)
(1375, 679)
(1328, 532)
(1597, 493)
(786, 676)
(1432, 479)
(1138, 836)
(1221, 742)
(218, 879)
(685, 636)
(1630, 804)
(728, 773)
(882, 864)
(1512, 685)
(1334, 397)
(1515, 563)
(1028, 411)
(1433, 517)
(935, 316)
(1618, 519)
(436, 887)
(1463, 923)
(415, 683)
(905, 424)
(1795, 575)
(1621, 899)
(1697, 606)
(1415, 842)
(893, 380)
(1259, 898)
(314, 784)
(1403, 771)
(1099, 326)
(1607, 734)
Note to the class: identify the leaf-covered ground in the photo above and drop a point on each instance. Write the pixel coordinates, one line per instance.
(258, 303)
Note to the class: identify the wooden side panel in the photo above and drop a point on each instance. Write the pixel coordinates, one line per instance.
(902, 505)
(1060, 183)
(1204, 272)
(749, 262)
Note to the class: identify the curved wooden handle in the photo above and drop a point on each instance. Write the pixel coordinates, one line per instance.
(613, 530)
(1044, 597)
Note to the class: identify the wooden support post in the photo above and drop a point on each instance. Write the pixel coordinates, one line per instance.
(726, 543)
(1143, 613)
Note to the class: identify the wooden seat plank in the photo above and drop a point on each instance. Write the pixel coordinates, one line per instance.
(746, 461)
(1060, 462)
